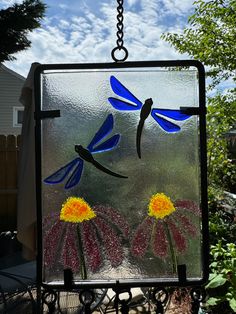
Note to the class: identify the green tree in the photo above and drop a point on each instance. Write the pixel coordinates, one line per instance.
(211, 38)
(221, 115)
(15, 24)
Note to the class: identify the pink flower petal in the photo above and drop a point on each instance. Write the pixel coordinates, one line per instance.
(141, 239)
(178, 238)
(70, 256)
(186, 224)
(188, 205)
(110, 241)
(48, 220)
(159, 240)
(91, 245)
(114, 217)
(51, 241)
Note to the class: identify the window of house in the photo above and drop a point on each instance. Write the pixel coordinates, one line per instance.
(18, 116)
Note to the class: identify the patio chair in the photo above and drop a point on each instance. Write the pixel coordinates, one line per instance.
(15, 287)
(17, 276)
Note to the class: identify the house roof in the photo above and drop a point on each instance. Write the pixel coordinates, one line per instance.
(4, 68)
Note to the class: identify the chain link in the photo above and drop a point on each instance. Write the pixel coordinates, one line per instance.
(120, 34)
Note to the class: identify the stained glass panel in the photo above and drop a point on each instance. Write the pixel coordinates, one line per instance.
(121, 173)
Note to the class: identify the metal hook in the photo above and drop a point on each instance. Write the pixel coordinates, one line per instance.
(125, 51)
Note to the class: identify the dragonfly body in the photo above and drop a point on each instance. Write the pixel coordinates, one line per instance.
(86, 154)
(146, 109)
(144, 113)
(133, 103)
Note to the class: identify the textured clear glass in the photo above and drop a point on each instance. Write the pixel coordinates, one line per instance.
(144, 222)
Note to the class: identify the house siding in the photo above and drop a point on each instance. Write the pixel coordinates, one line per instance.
(11, 84)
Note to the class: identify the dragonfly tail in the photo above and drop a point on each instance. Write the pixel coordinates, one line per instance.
(138, 137)
(100, 167)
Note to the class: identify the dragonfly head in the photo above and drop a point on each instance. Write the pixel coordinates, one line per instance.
(78, 148)
(146, 109)
(149, 101)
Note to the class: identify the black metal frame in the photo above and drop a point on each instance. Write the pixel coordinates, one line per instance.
(201, 111)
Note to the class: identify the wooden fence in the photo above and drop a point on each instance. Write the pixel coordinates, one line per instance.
(9, 154)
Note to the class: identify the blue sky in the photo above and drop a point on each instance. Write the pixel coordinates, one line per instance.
(79, 31)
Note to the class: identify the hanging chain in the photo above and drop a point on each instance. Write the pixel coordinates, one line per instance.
(120, 34)
(120, 25)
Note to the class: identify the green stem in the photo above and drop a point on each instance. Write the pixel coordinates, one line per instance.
(172, 250)
(83, 269)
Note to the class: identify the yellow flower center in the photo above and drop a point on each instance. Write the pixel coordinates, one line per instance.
(75, 209)
(160, 206)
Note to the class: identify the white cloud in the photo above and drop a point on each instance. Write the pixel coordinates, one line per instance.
(178, 7)
(91, 37)
(63, 6)
(7, 3)
(63, 24)
(132, 2)
(150, 10)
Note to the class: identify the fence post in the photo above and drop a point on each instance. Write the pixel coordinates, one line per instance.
(3, 199)
(8, 181)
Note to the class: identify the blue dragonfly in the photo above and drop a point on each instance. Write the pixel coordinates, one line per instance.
(86, 154)
(145, 108)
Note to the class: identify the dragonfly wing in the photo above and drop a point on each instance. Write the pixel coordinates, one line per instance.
(173, 114)
(120, 90)
(76, 175)
(107, 145)
(122, 105)
(104, 130)
(165, 124)
(60, 174)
